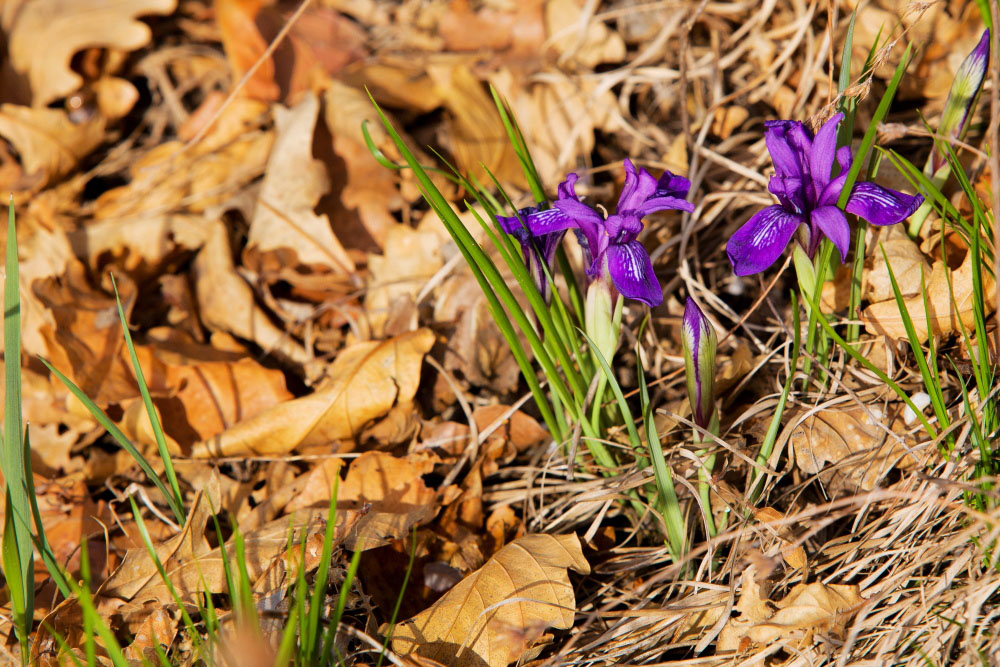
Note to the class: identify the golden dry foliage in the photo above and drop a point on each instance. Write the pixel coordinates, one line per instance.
(496, 613)
(305, 323)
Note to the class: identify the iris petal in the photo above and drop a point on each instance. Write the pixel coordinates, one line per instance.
(631, 271)
(760, 241)
(881, 206)
(824, 149)
(833, 224)
(785, 158)
(654, 204)
(671, 185)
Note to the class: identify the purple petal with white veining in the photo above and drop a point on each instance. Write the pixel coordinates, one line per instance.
(833, 224)
(631, 271)
(760, 241)
(548, 221)
(881, 206)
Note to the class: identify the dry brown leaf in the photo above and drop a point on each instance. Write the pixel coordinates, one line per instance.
(44, 35)
(494, 615)
(476, 133)
(558, 117)
(50, 145)
(172, 177)
(138, 571)
(226, 302)
(139, 246)
(794, 555)
(477, 352)
(369, 190)
(807, 608)
(244, 46)
(409, 259)
(285, 232)
(366, 379)
(855, 441)
(908, 265)
(950, 307)
(583, 44)
(199, 391)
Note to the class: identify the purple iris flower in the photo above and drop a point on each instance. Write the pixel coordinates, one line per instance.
(808, 195)
(610, 244)
(538, 250)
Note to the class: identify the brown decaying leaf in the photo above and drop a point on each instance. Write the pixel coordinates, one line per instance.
(369, 191)
(807, 608)
(44, 35)
(49, 143)
(226, 302)
(285, 232)
(493, 616)
(855, 440)
(950, 299)
(409, 259)
(583, 45)
(365, 381)
(244, 46)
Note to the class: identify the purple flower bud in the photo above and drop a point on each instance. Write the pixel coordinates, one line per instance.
(962, 96)
(698, 338)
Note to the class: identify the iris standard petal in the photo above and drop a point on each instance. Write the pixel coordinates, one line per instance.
(785, 159)
(639, 186)
(631, 271)
(671, 185)
(760, 241)
(881, 206)
(664, 203)
(567, 189)
(831, 221)
(824, 149)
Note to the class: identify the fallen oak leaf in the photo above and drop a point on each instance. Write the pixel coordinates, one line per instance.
(949, 304)
(50, 145)
(285, 228)
(366, 379)
(520, 591)
(44, 35)
(226, 302)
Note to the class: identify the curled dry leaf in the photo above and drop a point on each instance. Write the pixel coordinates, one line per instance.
(493, 616)
(950, 300)
(908, 264)
(364, 382)
(44, 35)
(139, 246)
(199, 390)
(855, 440)
(807, 608)
(226, 302)
(50, 145)
(285, 233)
(584, 43)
